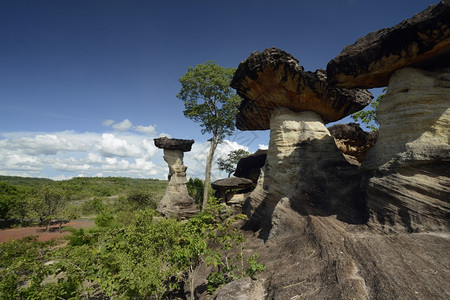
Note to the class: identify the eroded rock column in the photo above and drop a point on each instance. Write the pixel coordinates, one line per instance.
(409, 167)
(176, 200)
(305, 173)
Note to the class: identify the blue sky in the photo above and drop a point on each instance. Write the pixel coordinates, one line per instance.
(85, 86)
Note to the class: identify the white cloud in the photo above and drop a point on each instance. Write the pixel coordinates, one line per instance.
(150, 130)
(263, 147)
(47, 144)
(108, 122)
(196, 159)
(112, 146)
(123, 126)
(66, 154)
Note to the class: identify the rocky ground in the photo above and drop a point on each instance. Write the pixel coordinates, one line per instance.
(329, 259)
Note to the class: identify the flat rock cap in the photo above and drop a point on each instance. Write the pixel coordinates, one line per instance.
(173, 144)
(231, 183)
(273, 78)
(422, 41)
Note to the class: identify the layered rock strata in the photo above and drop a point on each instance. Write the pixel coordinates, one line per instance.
(176, 200)
(304, 170)
(304, 174)
(406, 174)
(408, 169)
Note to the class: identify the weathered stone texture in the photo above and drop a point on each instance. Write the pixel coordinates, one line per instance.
(176, 200)
(304, 174)
(173, 144)
(250, 166)
(422, 41)
(408, 185)
(352, 140)
(273, 78)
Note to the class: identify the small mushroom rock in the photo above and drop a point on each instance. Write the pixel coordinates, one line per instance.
(304, 169)
(176, 200)
(232, 183)
(422, 41)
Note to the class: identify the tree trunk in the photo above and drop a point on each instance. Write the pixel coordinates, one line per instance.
(208, 170)
(47, 226)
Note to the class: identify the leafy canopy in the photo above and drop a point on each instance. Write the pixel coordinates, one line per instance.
(209, 99)
(229, 165)
(369, 116)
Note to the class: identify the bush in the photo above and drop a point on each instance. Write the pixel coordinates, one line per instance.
(195, 188)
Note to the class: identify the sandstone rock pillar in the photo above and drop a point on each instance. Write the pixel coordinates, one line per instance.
(176, 200)
(408, 184)
(407, 181)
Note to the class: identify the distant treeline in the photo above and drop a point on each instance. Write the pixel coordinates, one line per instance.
(25, 198)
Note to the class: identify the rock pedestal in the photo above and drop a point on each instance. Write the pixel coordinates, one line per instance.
(176, 200)
(409, 167)
(305, 174)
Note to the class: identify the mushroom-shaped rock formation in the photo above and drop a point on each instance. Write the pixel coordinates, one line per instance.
(274, 78)
(353, 141)
(250, 166)
(422, 41)
(232, 183)
(304, 169)
(407, 181)
(176, 200)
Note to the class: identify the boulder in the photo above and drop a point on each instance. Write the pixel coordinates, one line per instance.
(422, 41)
(407, 171)
(241, 289)
(304, 170)
(250, 166)
(352, 140)
(176, 200)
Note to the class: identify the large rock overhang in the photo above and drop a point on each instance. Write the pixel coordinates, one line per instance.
(422, 41)
(273, 78)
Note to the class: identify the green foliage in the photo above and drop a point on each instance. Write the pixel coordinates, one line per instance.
(369, 116)
(229, 165)
(105, 219)
(22, 261)
(8, 196)
(48, 204)
(92, 206)
(142, 199)
(209, 99)
(147, 259)
(254, 266)
(195, 188)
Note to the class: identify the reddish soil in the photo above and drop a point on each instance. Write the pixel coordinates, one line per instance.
(18, 233)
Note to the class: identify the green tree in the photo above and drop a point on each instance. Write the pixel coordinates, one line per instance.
(229, 165)
(48, 204)
(369, 116)
(210, 101)
(8, 196)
